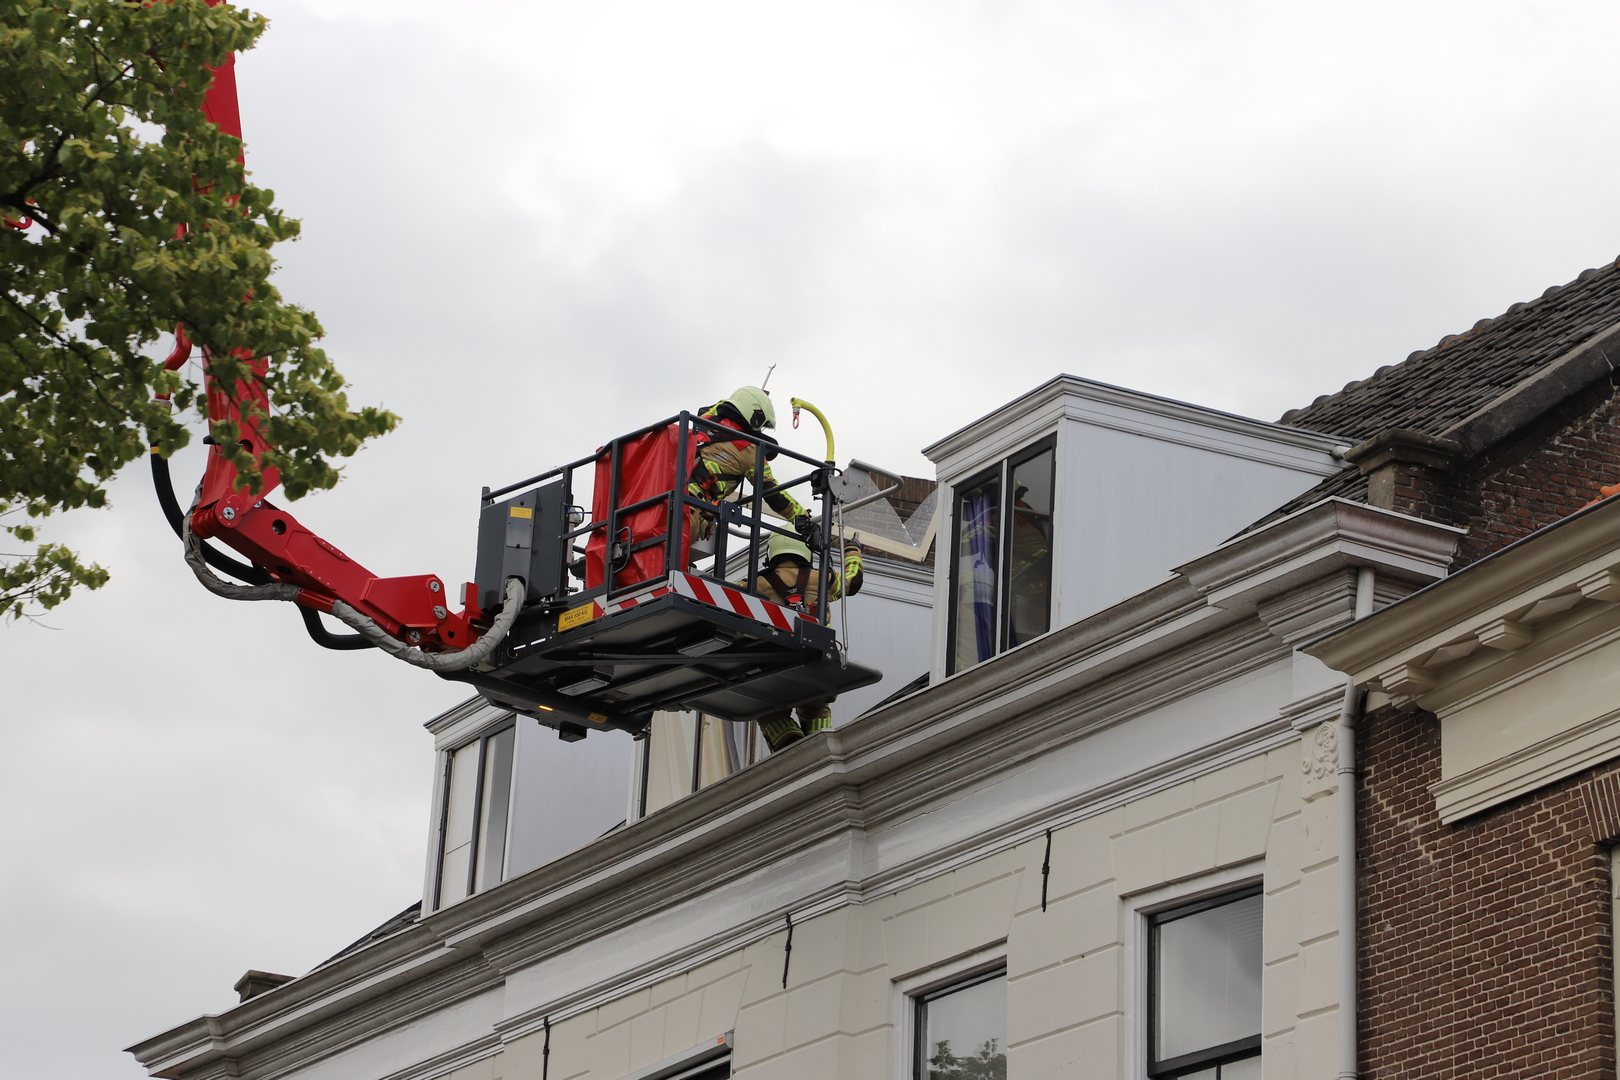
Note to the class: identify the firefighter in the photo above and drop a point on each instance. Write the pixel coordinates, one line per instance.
(788, 578)
(722, 464)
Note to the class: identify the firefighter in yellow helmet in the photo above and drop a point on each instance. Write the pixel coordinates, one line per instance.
(789, 578)
(723, 463)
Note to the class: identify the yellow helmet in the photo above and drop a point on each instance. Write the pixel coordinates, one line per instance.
(755, 406)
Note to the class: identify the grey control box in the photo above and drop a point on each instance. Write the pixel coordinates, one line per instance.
(522, 537)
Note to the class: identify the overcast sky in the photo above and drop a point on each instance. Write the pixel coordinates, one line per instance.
(530, 225)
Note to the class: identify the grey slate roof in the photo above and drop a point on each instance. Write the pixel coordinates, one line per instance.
(387, 929)
(1435, 390)
(1349, 484)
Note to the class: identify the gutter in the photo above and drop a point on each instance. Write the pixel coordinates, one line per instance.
(1535, 395)
(1345, 732)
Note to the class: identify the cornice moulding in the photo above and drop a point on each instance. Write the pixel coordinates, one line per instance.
(1486, 672)
(1309, 711)
(1221, 433)
(1555, 560)
(1146, 403)
(1038, 414)
(1525, 770)
(1311, 543)
(802, 791)
(1100, 404)
(457, 724)
(318, 1025)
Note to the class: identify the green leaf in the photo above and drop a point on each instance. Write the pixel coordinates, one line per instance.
(102, 274)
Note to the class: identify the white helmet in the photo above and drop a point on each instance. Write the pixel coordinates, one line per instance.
(755, 406)
(782, 544)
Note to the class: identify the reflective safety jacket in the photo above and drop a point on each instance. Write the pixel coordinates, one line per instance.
(722, 464)
(789, 582)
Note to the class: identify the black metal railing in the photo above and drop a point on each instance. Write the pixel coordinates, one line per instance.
(733, 517)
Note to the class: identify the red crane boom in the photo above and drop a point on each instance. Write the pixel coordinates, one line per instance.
(414, 610)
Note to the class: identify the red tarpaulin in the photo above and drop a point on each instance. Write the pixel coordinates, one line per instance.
(647, 469)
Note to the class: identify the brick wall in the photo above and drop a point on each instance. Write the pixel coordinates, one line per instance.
(1545, 472)
(1486, 945)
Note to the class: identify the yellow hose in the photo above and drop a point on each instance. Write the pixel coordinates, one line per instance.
(826, 428)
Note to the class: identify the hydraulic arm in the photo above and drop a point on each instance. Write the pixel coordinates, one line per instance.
(409, 616)
(657, 620)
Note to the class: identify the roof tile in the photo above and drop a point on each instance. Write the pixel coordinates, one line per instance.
(1435, 388)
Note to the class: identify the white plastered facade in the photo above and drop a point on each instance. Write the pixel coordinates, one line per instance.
(1171, 743)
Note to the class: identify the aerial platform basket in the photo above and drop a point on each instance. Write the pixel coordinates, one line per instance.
(620, 621)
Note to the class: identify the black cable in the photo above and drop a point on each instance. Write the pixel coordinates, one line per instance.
(242, 571)
(787, 950)
(245, 572)
(1046, 868)
(328, 640)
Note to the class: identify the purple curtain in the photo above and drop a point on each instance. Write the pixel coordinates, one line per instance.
(979, 512)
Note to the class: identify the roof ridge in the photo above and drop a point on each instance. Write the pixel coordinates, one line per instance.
(1451, 340)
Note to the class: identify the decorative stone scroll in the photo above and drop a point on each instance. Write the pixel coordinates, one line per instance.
(1319, 759)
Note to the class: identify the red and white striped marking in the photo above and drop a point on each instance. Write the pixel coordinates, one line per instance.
(658, 589)
(708, 592)
(728, 599)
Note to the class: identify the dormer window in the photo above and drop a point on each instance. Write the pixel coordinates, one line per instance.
(1001, 556)
(475, 815)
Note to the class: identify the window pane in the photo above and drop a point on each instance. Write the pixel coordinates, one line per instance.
(1029, 586)
(1207, 978)
(497, 801)
(710, 1072)
(965, 1033)
(670, 742)
(715, 760)
(564, 794)
(1247, 1069)
(978, 547)
(458, 824)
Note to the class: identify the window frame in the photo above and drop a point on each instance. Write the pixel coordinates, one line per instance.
(1009, 492)
(1614, 952)
(1001, 472)
(1213, 1056)
(710, 1060)
(481, 741)
(741, 742)
(918, 1003)
(951, 604)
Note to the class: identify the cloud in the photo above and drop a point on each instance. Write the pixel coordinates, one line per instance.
(530, 226)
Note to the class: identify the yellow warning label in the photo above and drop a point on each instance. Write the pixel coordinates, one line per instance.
(522, 512)
(577, 617)
(597, 718)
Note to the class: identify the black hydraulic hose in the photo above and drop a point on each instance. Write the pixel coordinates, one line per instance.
(172, 513)
(242, 571)
(323, 637)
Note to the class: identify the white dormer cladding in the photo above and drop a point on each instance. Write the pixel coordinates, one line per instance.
(1142, 484)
